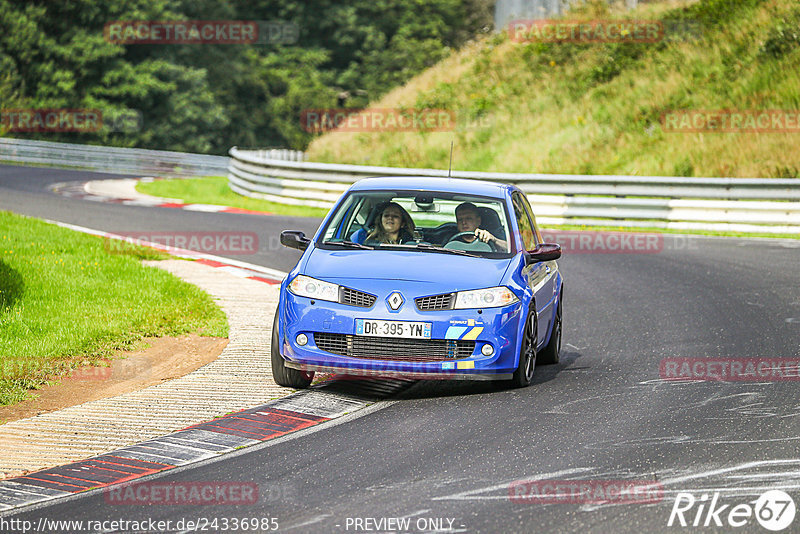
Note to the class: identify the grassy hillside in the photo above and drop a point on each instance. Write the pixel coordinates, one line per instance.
(597, 108)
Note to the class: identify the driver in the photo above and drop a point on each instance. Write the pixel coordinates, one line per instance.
(468, 219)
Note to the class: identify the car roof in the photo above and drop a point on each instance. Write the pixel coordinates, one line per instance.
(427, 183)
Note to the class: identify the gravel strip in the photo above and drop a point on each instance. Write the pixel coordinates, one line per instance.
(124, 188)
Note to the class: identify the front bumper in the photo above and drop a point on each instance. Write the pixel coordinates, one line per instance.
(498, 327)
(416, 375)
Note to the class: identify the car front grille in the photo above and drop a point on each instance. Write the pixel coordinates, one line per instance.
(435, 302)
(353, 297)
(382, 348)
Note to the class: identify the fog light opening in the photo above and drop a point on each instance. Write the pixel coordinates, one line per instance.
(487, 350)
(301, 339)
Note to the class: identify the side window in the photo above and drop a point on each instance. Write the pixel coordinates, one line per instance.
(361, 213)
(356, 216)
(528, 208)
(523, 222)
(336, 228)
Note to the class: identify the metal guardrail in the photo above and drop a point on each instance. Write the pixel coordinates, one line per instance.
(133, 161)
(724, 204)
(750, 205)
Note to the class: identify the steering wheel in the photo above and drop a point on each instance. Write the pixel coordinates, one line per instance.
(462, 234)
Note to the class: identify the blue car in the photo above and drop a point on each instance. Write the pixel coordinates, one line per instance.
(424, 278)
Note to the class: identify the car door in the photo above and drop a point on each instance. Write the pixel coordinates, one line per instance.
(540, 275)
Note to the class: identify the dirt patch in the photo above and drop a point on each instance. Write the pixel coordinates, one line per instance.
(165, 358)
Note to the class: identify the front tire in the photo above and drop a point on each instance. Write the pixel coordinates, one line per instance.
(284, 376)
(527, 353)
(552, 352)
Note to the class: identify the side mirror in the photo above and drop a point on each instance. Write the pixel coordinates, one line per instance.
(294, 239)
(543, 252)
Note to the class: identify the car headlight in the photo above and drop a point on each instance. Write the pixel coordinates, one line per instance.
(305, 286)
(492, 297)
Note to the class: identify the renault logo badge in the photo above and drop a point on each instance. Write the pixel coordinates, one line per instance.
(395, 300)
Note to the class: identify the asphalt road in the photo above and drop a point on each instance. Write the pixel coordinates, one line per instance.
(444, 454)
(25, 190)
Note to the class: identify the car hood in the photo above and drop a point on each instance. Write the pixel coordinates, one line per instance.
(454, 271)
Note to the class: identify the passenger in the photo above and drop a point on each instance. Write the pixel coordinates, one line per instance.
(468, 219)
(393, 226)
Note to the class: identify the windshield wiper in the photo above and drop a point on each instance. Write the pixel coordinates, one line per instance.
(349, 244)
(428, 246)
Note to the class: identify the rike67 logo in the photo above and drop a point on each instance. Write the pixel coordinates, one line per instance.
(774, 510)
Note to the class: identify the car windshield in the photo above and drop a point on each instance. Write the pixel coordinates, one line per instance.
(420, 222)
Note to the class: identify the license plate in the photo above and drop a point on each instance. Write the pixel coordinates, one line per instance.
(400, 329)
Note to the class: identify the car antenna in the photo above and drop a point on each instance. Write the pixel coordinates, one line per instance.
(450, 168)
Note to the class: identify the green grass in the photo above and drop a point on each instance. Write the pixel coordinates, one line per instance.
(578, 108)
(215, 190)
(66, 301)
